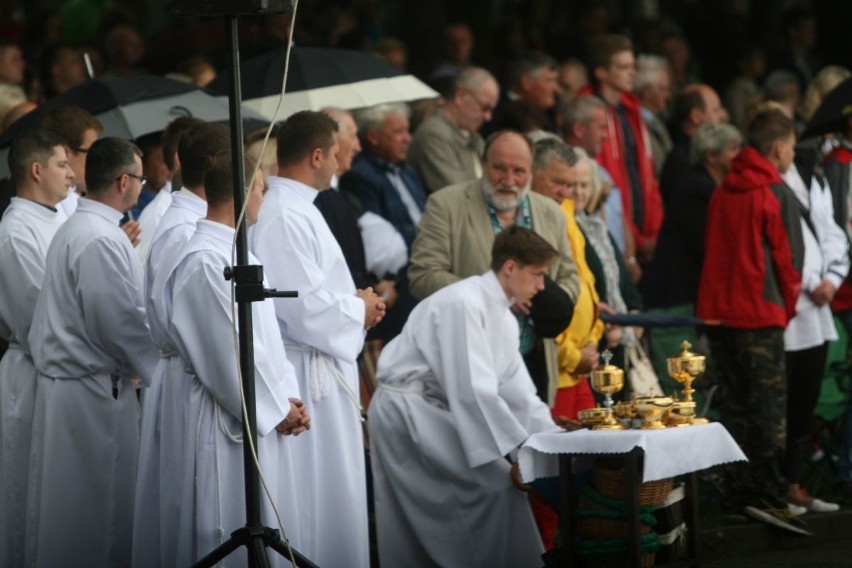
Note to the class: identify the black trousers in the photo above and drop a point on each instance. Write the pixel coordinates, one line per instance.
(805, 369)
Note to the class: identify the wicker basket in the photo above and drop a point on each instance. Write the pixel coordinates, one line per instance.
(605, 528)
(611, 482)
(591, 528)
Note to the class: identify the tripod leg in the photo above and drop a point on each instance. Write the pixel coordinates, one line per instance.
(279, 546)
(238, 538)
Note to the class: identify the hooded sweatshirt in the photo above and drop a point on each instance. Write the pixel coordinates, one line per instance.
(754, 248)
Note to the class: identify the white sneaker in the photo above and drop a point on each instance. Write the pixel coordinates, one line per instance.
(797, 510)
(820, 506)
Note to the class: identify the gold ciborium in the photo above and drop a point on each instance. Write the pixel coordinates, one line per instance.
(607, 380)
(652, 409)
(681, 413)
(685, 367)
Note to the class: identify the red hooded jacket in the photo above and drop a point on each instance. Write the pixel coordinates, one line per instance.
(754, 248)
(611, 157)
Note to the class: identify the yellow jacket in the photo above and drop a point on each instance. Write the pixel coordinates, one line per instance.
(585, 327)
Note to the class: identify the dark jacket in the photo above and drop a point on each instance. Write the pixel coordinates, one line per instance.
(629, 293)
(368, 182)
(342, 219)
(754, 249)
(672, 278)
(677, 168)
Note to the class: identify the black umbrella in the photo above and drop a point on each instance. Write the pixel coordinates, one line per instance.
(832, 114)
(129, 107)
(320, 77)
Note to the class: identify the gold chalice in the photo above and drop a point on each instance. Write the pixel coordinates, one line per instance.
(608, 380)
(684, 368)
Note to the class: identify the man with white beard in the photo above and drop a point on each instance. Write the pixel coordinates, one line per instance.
(39, 165)
(457, 231)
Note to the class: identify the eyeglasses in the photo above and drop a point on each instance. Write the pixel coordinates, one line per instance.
(142, 179)
(485, 108)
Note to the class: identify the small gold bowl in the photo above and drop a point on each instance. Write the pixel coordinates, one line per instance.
(592, 416)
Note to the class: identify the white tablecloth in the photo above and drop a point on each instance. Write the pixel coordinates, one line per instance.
(668, 452)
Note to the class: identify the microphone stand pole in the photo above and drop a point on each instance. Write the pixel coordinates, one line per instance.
(249, 288)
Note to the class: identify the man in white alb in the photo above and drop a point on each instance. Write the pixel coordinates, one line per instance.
(205, 478)
(454, 398)
(323, 332)
(39, 165)
(161, 412)
(88, 340)
(153, 213)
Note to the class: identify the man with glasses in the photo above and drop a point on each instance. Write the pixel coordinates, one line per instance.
(89, 340)
(447, 147)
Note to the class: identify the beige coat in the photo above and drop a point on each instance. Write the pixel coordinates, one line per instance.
(454, 241)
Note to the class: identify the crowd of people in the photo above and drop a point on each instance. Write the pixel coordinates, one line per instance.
(454, 260)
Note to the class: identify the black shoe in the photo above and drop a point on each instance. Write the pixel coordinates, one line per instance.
(843, 493)
(777, 517)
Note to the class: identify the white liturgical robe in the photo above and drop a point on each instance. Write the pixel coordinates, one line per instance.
(174, 230)
(323, 331)
(88, 339)
(190, 494)
(25, 233)
(454, 397)
(150, 219)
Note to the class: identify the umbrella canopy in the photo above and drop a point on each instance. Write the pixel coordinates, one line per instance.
(320, 77)
(129, 107)
(832, 114)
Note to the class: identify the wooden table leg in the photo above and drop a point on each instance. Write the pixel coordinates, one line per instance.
(693, 534)
(631, 466)
(567, 556)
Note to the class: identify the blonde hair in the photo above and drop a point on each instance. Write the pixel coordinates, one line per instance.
(596, 189)
(822, 84)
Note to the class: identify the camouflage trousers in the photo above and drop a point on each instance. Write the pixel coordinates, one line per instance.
(752, 405)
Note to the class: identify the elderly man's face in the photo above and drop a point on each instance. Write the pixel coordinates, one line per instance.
(507, 170)
(391, 139)
(349, 145)
(477, 105)
(540, 88)
(557, 181)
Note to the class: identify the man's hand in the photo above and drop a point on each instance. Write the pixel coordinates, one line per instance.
(374, 306)
(522, 309)
(613, 335)
(589, 358)
(646, 251)
(824, 293)
(297, 420)
(386, 289)
(132, 229)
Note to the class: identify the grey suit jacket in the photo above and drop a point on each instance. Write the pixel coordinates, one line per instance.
(454, 241)
(443, 154)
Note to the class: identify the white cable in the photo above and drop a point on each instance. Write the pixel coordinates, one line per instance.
(249, 438)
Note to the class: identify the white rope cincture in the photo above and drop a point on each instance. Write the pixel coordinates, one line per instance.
(321, 368)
